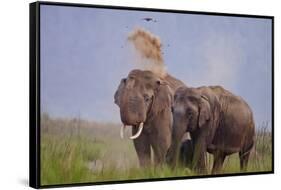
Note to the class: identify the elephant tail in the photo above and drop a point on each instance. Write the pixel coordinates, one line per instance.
(247, 150)
(249, 144)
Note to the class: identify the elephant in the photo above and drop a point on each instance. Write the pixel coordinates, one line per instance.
(186, 153)
(145, 101)
(218, 121)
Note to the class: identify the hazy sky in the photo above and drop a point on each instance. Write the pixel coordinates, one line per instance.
(84, 54)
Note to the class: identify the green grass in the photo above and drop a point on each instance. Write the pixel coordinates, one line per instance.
(76, 151)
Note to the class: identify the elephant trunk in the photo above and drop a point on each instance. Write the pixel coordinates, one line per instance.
(172, 156)
(132, 109)
(132, 114)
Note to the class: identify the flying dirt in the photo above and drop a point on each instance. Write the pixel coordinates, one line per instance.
(149, 53)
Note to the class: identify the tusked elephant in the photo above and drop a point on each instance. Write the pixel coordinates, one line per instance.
(218, 121)
(145, 102)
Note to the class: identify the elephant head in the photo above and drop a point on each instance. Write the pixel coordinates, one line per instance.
(191, 111)
(140, 97)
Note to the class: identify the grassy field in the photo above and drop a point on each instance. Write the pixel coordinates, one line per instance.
(78, 151)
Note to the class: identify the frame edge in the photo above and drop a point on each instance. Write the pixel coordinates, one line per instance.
(34, 143)
(34, 90)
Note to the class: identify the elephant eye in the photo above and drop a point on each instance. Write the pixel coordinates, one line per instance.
(146, 98)
(124, 80)
(189, 113)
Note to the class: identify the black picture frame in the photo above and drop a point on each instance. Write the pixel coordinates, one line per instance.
(34, 91)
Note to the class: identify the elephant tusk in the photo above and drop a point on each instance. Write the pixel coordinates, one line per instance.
(122, 129)
(138, 133)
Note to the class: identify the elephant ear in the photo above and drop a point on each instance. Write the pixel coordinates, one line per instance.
(163, 98)
(119, 91)
(204, 111)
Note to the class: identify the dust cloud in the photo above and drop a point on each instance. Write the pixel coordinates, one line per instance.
(148, 51)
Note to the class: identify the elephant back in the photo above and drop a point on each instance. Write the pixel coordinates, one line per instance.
(173, 82)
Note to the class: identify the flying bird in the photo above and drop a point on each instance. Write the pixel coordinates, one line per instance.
(148, 19)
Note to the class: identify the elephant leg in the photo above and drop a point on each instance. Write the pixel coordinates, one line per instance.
(219, 158)
(142, 146)
(160, 147)
(160, 136)
(244, 158)
(159, 154)
(200, 163)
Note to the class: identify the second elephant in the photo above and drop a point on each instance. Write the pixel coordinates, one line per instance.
(218, 121)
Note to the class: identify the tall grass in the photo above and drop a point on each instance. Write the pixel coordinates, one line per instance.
(76, 151)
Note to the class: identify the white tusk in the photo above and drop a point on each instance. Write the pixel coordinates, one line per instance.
(122, 131)
(139, 132)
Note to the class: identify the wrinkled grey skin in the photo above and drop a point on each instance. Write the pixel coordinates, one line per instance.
(186, 153)
(218, 122)
(144, 97)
